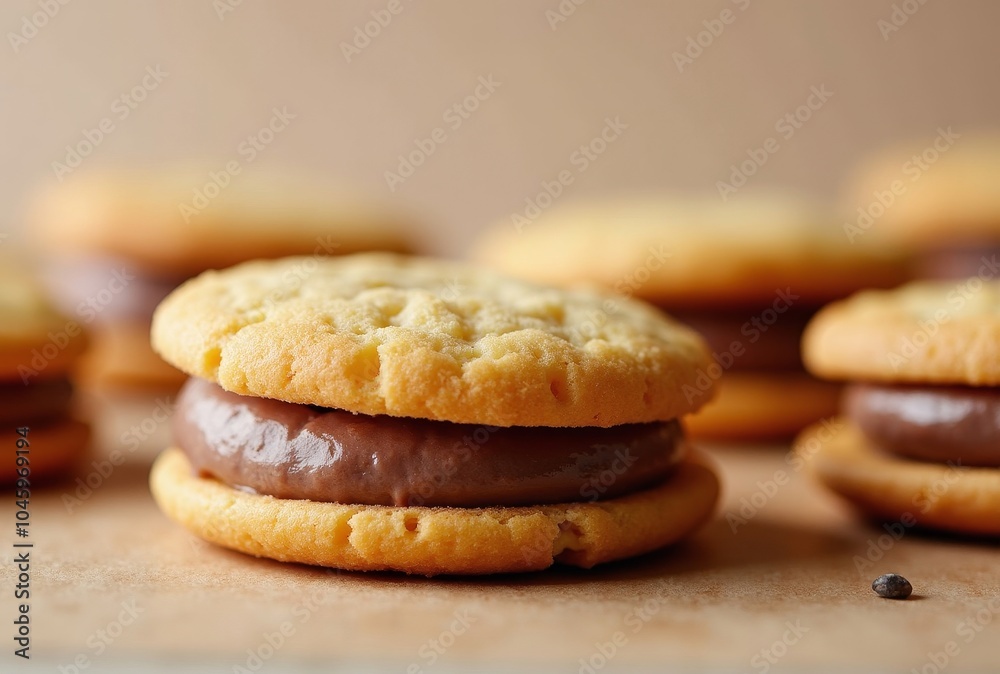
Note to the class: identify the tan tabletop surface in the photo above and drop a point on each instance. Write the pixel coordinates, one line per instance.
(117, 587)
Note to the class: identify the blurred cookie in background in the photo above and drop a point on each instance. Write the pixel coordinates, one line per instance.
(938, 198)
(747, 274)
(118, 241)
(38, 346)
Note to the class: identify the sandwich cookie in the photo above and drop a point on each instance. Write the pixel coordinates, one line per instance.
(416, 415)
(919, 440)
(119, 241)
(37, 347)
(747, 275)
(937, 198)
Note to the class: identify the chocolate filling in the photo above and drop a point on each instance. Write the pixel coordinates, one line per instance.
(321, 454)
(36, 401)
(756, 339)
(960, 262)
(929, 423)
(102, 290)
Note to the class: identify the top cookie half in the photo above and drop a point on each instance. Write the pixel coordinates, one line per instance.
(929, 332)
(693, 252)
(412, 337)
(180, 221)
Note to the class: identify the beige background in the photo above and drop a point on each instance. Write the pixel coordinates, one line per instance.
(556, 88)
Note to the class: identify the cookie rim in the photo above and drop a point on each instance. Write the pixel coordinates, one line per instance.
(511, 539)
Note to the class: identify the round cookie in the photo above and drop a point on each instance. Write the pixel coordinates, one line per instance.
(928, 332)
(679, 252)
(432, 541)
(384, 334)
(746, 403)
(933, 495)
(154, 218)
(943, 191)
(35, 340)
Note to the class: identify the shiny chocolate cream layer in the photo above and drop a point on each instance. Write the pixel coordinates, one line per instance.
(299, 451)
(751, 340)
(929, 423)
(103, 290)
(39, 400)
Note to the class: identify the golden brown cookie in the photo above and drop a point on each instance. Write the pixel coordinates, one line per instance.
(36, 342)
(944, 332)
(748, 404)
(179, 221)
(940, 191)
(122, 358)
(431, 541)
(384, 334)
(934, 495)
(680, 252)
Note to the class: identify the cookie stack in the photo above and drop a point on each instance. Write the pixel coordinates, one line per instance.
(37, 348)
(747, 275)
(118, 242)
(920, 439)
(426, 417)
(937, 198)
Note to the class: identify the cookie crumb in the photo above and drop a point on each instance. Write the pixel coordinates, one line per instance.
(892, 586)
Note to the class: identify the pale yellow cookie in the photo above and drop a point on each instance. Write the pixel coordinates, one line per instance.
(433, 541)
(157, 220)
(678, 251)
(941, 191)
(763, 406)
(934, 495)
(944, 332)
(35, 340)
(385, 334)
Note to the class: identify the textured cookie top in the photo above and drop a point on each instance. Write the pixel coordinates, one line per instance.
(384, 334)
(692, 252)
(942, 191)
(933, 332)
(28, 322)
(179, 222)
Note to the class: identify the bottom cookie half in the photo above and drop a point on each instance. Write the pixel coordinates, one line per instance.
(432, 541)
(947, 497)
